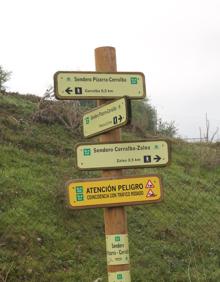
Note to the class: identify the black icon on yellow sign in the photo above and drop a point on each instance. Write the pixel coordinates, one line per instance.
(78, 90)
(117, 119)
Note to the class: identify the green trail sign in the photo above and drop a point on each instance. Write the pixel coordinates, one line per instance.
(106, 117)
(95, 85)
(152, 153)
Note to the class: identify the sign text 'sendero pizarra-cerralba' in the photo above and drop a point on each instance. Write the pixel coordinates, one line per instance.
(94, 85)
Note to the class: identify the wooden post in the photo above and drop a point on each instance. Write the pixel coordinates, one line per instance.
(115, 217)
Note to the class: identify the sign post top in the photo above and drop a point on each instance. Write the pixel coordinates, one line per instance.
(98, 85)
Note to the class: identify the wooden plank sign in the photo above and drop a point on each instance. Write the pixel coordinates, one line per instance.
(132, 154)
(106, 117)
(106, 192)
(95, 85)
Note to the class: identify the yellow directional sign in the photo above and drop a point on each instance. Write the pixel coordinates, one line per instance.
(123, 191)
(119, 155)
(95, 85)
(106, 117)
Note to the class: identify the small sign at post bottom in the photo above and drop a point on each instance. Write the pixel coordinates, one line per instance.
(117, 249)
(120, 276)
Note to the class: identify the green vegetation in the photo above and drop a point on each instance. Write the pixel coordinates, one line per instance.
(144, 118)
(41, 240)
(4, 77)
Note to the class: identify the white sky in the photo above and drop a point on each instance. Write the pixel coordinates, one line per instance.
(175, 43)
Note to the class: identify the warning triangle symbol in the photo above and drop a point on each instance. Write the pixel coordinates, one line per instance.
(150, 194)
(149, 184)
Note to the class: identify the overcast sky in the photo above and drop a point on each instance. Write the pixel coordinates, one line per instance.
(175, 43)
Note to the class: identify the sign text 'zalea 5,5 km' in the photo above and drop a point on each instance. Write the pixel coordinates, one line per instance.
(94, 193)
(119, 155)
(95, 85)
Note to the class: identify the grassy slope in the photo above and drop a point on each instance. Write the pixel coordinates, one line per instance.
(40, 240)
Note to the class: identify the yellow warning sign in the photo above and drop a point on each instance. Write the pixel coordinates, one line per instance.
(123, 191)
(95, 85)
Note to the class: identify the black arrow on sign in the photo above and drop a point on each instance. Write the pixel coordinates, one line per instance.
(120, 118)
(157, 158)
(69, 90)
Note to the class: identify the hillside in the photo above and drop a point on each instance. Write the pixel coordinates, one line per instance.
(40, 240)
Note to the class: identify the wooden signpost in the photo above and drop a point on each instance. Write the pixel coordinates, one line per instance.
(112, 191)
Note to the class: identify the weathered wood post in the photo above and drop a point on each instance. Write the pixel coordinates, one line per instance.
(115, 218)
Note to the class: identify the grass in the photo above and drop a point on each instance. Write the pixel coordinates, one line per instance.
(41, 240)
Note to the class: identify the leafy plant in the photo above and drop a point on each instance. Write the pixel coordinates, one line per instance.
(4, 77)
(166, 128)
(67, 113)
(144, 118)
